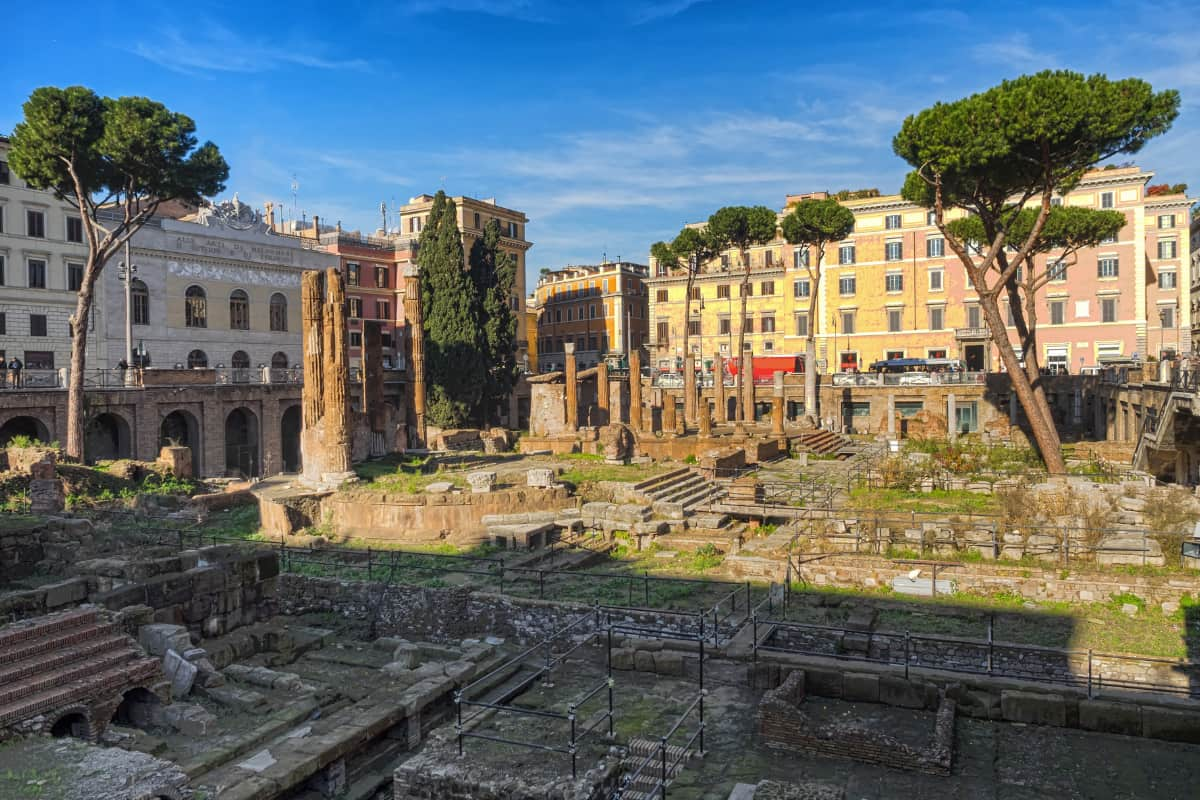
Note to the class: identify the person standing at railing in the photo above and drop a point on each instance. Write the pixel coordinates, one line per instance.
(3, 373)
(15, 367)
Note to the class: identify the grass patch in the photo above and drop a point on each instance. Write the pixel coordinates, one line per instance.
(939, 501)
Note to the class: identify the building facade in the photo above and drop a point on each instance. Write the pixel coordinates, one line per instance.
(602, 309)
(893, 289)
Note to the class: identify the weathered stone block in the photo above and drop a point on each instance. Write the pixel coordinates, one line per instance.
(1174, 724)
(860, 687)
(897, 691)
(1106, 716)
(481, 482)
(157, 639)
(1033, 708)
(823, 682)
(180, 672)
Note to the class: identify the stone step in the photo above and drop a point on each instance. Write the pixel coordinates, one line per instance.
(681, 489)
(648, 484)
(47, 679)
(59, 639)
(103, 682)
(23, 631)
(43, 663)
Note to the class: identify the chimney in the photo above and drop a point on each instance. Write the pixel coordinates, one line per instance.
(316, 227)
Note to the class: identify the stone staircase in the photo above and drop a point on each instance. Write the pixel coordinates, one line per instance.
(824, 443)
(68, 660)
(644, 785)
(680, 492)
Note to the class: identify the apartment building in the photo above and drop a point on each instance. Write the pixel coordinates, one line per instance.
(601, 308)
(893, 289)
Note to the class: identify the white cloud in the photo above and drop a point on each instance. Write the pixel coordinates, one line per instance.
(1014, 51)
(211, 48)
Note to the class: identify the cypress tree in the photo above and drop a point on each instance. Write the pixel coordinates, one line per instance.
(454, 366)
(494, 273)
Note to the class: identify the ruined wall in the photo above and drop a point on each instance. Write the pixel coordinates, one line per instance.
(547, 409)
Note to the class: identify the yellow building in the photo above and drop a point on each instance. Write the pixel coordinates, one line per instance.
(892, 289)
(600, 308)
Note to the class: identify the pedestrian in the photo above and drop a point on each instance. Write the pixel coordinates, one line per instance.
(3, 373)
(14, 367)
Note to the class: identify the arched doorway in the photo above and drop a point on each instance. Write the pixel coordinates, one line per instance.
(106, 438)
(289, 437)
(29, 427)
(241, 443)
(73, 724)
(137, 709)
(181, 428)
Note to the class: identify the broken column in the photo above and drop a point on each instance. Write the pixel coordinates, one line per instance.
(602, 396)
(668, 415)
(635, 390)
(719, 387)
(777, 405)
(705, 413)
(325, 439)
(415, 357)
(746, 388)
(951, 413)
(45, 488)
(689, 388)
(572, 388)
(891, 422)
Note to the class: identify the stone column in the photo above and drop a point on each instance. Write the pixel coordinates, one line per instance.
(951, 407)
(415, 356)
(313, 392)
(747, 398)
(668, 415)
(602, 398)
(1013, 402)
(337, 361)
(635, 389)
(689, 388)
(572, 388)
(719, 385)
(705, 412)
(777, 406)
(891, 415)
(372, 375)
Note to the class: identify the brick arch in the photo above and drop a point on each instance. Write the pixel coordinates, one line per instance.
(193, 420)
(88, 732)
(45, 417)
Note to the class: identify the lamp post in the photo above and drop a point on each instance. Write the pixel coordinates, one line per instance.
(127, 270)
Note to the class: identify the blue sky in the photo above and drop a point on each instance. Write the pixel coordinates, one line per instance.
(609, 123)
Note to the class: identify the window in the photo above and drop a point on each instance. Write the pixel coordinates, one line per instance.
(571, 313)
(973, 317)
(723, 326)
(722, 291)
(1108, 309)
(895, 320)
(195, 308)
(39, 359)
(37, 273)
(768, 324)
(74, 229)
(937, 318)
(935, 248)
(894, 282)
(802, 325)
(356, 338)
(1106, 199)
(661, 295)
(1167, 248)
(907, 409)
(1166, 221)
(664, 334)
(477, 221)
(935, 280)
(514, 232)
(693, 328)
(931, 218)
(240, 360)
(768, 346)
(592, 311)
(1056, 202)
(891, 222)
(3, 323)
(769, 258)
(1166, 280)
(748, 325)
(37, 324)
(767, 288)
(893, 251)
(695, 292)
(74, 276)
(279, 360)
(381, 277)
(846, 254)
(800, 257)
(847, 322)
(1107, 267)
(139, 303)
(35, 223)
(383, 309)
(1057, 312)
(2, 264)
(239, 310)
(1167, 315)
(4, 172)
(801, 288)
(354, 307)
(352, 271)
(847, 285)
(279, 321)
(1057, 271)
(966, 417)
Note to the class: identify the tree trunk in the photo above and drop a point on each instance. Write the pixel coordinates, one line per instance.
(75, 382)
(689, 366)
(1032, 366)
(1044, 433)
(741, 344)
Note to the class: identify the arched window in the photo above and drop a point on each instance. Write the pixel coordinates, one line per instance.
(197, 359)
(279, 361)
(240, 360)
(278, 312)
(139, 302)
(239, 311)
(195, 308)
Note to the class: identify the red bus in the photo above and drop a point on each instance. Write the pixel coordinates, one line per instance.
(765, 367)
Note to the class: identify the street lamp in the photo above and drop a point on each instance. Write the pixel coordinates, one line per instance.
(125, 272)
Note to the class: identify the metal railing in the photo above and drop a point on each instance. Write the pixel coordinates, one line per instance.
(660, 762)
(907, 378)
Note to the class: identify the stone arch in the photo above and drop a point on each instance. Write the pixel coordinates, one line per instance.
(195, 307)
(279, 360)
(197, 359)
(180, 426)
(290, 425)
(107, 437)
(138, 708)
(24, 425)
(74, 721)
(239, 310)
(241, 443)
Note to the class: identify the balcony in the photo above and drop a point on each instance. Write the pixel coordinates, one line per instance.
(964, 334)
